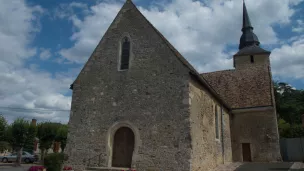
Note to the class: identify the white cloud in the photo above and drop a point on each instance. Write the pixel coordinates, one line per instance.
(33, 89)
(27, 91)
(209, 28)
(68, 10)
(89, 31)
(300, 27)
(288, 60)
(45, 54)
(199, 30)
(295, 2)
(17, 24)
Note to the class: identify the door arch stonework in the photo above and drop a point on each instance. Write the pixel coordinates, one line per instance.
(110, 141)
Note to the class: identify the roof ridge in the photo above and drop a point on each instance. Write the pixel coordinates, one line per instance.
(102, 39)
(175, 51)
(217, 71)
(186, 63)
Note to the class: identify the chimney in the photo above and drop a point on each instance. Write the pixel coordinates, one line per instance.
(34, 121)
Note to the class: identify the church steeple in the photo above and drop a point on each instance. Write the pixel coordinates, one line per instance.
(248, 38)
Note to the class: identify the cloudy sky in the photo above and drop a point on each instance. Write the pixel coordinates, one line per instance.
(44, 44)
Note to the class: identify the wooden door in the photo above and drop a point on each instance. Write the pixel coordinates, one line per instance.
(123, 148)
(246, 152)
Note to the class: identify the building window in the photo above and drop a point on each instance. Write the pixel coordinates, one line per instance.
(251, 59)
(125, 54)
(216, 123)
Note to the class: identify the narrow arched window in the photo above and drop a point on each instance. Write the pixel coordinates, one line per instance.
(125, 54)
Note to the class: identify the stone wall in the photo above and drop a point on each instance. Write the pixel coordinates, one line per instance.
(152, 98)
(207, 150)
(259, 129)
(227, 136)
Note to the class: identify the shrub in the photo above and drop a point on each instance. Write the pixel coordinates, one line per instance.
(36, 168)
(54, 161)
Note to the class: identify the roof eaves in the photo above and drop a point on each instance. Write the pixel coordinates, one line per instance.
(215, 72)
(252, 50)
(212, 91)
(250, 53)
(251, 107)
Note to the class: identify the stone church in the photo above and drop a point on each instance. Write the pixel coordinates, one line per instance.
(138, 103)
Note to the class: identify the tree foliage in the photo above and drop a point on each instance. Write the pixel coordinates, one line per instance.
(47, 133)
(290, 108)
(30, 139)
(21, 135)
(61, 136)
(4, 145)
(17, 134)
(3, 126)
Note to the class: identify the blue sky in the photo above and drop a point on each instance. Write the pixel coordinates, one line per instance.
(44, 44)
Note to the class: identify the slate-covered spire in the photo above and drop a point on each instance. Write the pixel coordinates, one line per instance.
(246, 19)
(248, 38)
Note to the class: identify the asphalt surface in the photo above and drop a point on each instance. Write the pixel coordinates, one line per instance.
(244, 167)
(10, 167)
(266, 167)
(23, 168)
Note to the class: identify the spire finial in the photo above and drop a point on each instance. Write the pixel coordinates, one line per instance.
(246, 19)
(248, 38)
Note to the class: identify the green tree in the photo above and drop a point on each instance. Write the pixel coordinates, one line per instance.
(3, 126)
(284, 128)
(17, 134)
(61, 136)
(4, 145)
(30, 139)
(296, 131)
(289, 103)
(47, 132)
(290, 108)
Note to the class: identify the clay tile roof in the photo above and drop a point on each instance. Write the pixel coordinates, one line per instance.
(246, 89)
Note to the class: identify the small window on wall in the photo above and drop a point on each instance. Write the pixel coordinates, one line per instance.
(216, 123)
(125, 54)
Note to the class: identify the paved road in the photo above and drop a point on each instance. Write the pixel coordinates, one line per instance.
(243, 167)
(14, 168)
(11, 168)
(266, 167)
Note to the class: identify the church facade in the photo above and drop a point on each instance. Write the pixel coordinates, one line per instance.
(137, 103)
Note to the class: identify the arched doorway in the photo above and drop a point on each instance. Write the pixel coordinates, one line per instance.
(123, 147)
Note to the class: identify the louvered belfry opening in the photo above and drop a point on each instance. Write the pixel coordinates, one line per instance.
(125, 54)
